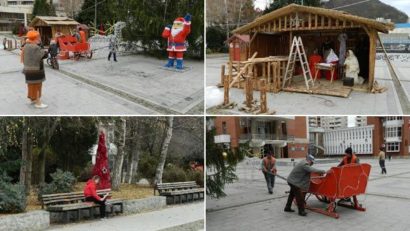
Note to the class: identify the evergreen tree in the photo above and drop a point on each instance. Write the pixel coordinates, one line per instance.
(105, 12)
(146, 20)
(221, 164)
(42, 8)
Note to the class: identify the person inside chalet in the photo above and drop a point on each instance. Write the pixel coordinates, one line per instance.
(349, 158)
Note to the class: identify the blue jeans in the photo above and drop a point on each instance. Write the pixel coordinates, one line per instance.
(270, 181)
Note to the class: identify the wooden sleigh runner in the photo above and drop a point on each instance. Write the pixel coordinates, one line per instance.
(340, 187)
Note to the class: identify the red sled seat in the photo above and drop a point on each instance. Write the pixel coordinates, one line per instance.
(340, 183)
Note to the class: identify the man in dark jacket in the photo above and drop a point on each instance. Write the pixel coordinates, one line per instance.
(90, 194)
(298, 180)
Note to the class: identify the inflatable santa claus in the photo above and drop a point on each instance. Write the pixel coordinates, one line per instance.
(176, 35)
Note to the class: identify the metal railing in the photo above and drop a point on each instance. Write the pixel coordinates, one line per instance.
(265, 136)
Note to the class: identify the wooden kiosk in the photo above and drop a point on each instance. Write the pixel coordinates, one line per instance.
(271, 38)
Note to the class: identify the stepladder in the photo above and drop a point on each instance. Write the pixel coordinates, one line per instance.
(297, 54)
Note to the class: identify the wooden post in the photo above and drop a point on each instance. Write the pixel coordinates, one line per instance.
(268, 79)
(226, 90)
(223, 75)
(264, 107)
(249, 88)
(372, 57)
(229, 72)
(276, 77)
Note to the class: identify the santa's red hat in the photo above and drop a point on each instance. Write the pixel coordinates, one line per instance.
(180, 19)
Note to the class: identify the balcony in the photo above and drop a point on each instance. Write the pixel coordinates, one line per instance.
(266, 137)
(222, 139)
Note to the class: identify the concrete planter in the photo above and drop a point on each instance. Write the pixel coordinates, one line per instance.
(145, 204)
(35, 220)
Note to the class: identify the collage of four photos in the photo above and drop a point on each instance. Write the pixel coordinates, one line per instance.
(204, 115)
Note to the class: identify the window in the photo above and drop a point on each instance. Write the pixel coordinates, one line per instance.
(224, 127)
(393, 146)
(393, 132)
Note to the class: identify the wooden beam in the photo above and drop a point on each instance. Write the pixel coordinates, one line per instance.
(322, 21)
(264, 106)
(238, 76)
(315, 20)
(372, 56)
(280, 24)
(223, 74)
(310, 19)
(226, 90)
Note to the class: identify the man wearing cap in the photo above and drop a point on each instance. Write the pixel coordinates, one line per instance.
(32, 57)
(269, 170)
(298, 180)
(349, 158)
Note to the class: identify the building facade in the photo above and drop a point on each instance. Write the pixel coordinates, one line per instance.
(393, 133)
(361, 121)
(287, 137)
(360, 139)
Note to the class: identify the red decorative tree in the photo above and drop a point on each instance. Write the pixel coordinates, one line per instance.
(101, 167)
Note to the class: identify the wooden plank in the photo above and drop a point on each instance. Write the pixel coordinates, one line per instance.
(316, 26)
(286, 21)
(310, 21)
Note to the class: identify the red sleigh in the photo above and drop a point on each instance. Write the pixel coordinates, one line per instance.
(70, 44)
(339, 184)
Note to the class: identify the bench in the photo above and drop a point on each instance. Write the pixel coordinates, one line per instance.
(177, 191)
(75, 202)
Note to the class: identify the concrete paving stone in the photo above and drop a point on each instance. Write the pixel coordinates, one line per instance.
(386, 203)
(155, 220)
(287, 103)
(135, 85)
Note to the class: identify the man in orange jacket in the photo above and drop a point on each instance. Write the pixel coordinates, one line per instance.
(269, 170)
(349, 158)
(90, 194)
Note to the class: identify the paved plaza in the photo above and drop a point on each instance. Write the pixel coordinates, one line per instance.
(288, 103)
(134, 85)
(248, 206)
(180, 217)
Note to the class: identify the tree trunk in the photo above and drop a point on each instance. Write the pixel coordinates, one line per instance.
(26, 157)
(29, 166)
(119, 158)
(133, 147)
(47, 134)
(24, 154)
(164, 150)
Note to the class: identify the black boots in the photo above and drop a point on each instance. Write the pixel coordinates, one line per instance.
(289, 210)
(302, 213)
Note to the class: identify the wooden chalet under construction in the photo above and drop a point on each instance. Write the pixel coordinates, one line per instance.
(271, 37)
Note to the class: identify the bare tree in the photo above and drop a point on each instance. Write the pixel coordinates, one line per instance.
(133, 154)
(120, 137)
(48, 131)
(26, 156)
(164, 150)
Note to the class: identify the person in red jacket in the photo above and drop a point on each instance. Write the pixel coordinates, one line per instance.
(176, 35)
(90, 194)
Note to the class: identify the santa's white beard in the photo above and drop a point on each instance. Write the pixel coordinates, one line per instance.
(175, 32)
